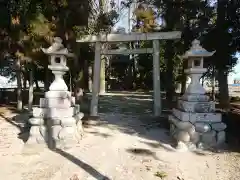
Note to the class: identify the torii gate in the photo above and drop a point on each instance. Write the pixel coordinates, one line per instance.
(103, 38)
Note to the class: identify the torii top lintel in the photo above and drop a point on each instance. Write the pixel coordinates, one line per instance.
(130, 37)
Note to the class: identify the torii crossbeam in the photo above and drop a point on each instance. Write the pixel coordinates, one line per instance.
(104, 38)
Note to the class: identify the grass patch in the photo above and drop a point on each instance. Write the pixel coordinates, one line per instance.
(161, 174)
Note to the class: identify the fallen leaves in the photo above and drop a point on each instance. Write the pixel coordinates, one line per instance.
(161, 174)
(75, 177)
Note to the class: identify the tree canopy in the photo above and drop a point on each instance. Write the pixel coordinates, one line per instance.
(28, 25)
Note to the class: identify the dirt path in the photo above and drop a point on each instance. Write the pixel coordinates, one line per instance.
(118, 147)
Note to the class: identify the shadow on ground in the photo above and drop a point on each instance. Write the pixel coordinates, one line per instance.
(126, 112)
(131, 113)
(20, 121)
(89, 169)
(141, 151)
(232, 120)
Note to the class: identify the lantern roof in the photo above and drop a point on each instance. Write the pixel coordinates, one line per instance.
(197, 51)
(57, 48)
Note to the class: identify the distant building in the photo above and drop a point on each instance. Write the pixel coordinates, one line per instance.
(236, 81)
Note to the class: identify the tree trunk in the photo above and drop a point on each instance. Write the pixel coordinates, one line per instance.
(213, 84)
(202, 81)
(102, 9)
(70, 81)
(19, 85)
(107, 65)
(24, 82)
(78, 93)
(184, 78)
(47, 80)
(187, 38)
(134, 66)
(223, 90)
(30, 90)
(213, 88)
(131, 75)
(102, 76)
(90, 83)
(79, 83)
(36, 83)
(222, 54)
(170, 90)
(171, 18)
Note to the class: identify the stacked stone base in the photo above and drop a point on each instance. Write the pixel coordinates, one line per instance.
(194, 124)
(57, 122)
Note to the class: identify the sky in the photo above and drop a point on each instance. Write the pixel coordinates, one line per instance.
(123, 22)
(236, 73)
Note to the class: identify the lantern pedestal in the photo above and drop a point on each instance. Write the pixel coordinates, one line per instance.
(58, 84)
(194, 122)
(56, 123)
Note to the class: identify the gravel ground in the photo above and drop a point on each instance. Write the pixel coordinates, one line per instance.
(117, 147)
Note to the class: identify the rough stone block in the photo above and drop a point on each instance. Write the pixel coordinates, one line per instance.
(202, 127)
(58, 94)
(172, 129)
(201, 146)
(55, 112)
(55, 103)
(209, 138)
(182, 125)
(79, 128)
(34, 131)
(195, 137)
(53, 121)
(79, 116)
(73, 101)
(77, 109)
(197, 117)
(67, 134)
(36, 121)
(40, 140)
(182, 147)
(69, 121)
(38, 112)
(219, 126)
(182, 136)
(37, 135)
(221, 137)
(191, 130)
(44, 132)
(196, 106)
(194, 97)
(192, 146)
(55, 130)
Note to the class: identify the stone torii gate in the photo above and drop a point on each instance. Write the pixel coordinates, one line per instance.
(104, 38)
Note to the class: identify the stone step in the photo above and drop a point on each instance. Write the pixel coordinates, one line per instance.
(190, 106)
(206, 133)
(55, 112)
(194, 97)
(57, 102)
(58, 94)
(197, 117)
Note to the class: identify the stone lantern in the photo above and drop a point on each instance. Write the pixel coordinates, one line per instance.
(57, 122)
(195, 57)
(58, 59)
(194, 121)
